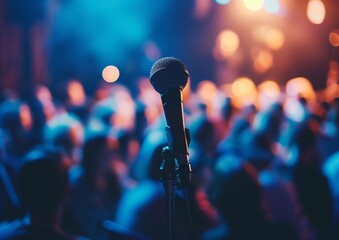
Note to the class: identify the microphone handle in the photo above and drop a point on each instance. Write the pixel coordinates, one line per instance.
(173, 107)
(177, 135)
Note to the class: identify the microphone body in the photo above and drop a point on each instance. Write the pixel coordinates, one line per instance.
(169, 77)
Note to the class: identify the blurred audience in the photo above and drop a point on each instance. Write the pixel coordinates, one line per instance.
(96, 191)
(43, 187)
(259, 172)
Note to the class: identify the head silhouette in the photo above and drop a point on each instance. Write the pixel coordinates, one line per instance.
(43, 179)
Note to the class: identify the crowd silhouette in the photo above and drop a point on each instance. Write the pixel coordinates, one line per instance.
(74, 166)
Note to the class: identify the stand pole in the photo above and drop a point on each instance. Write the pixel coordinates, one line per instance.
(169, 181)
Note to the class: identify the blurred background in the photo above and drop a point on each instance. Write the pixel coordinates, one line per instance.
(52, 41)
(82, 129)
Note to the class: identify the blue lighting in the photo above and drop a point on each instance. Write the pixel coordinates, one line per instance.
(271, 6)
(222, 2)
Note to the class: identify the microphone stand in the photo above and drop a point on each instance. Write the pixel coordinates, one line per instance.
(168, 178)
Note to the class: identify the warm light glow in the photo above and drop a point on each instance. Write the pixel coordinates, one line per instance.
(110, 74)
(269, 93)
(316, 11)
(227, 43)
(273, 38)
(272, 6)
(263, 60)
(300, 87)
(334, 38)
(254, 5)
(76, 93)
(125, 108)
(269, 88)
(332, 91)
(333, 73)
(242, 87)
(26, 117)
(243, 92)
(207, 90)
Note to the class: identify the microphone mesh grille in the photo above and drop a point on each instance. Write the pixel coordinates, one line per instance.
(168, 72)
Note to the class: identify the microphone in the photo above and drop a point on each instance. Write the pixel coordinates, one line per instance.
(169, 77)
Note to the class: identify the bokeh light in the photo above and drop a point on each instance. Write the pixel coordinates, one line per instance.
(208, 94)
(222, 2)
(272, 6)
(333, 73)
(334, 38)
(227, 43)
(254, 5)
(110, 73)
(26, 117)
(76, 93)
(152, 51)
(316, 11)
(243, 92)
(206, 91)
(269, 93)
(262, 60)
(272, 37)
(300, 87)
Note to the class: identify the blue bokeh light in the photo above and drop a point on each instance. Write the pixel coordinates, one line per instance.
(272, 6)
(222, 2)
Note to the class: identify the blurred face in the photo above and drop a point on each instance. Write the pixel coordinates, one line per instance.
(76, 93)
(26, 117)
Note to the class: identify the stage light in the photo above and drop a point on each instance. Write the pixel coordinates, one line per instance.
(243, 92)
(254, 5)
(269, 88)
(269, 93)
(242, 87)
(334, 38)
(300, 87)
(207, 90)
(316, 11)
(272, 6)
(272, 37)
(110, 74)
(263, 60)
(222, 2)
(227, 43)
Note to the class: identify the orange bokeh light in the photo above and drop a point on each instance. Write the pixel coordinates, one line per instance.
(227, 43)
(243, 92)
(110, 73)
(263, 60)
(76, 93)
(334, 38)
(300, 86)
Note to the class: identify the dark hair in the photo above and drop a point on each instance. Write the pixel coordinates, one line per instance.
(43, 178)
(98, 155)
(235, 191)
